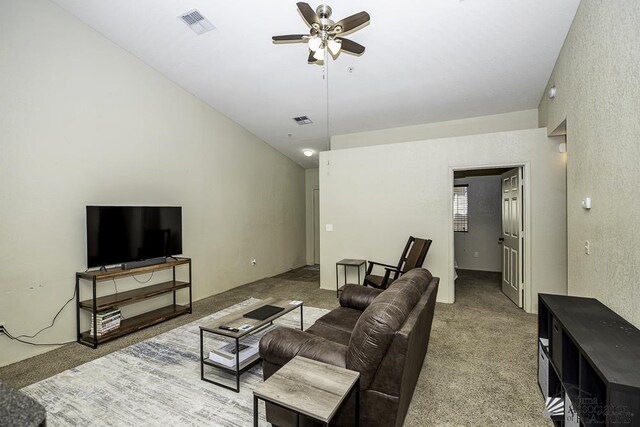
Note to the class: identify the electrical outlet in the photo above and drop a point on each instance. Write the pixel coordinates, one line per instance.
(253, 261)
(475, 254)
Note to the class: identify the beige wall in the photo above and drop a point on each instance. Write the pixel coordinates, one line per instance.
(597, 77)
(377, 196)
(484, 196)
(311, 183)
(517, 120)
(84, 122)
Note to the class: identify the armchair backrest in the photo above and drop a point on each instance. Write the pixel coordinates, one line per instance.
(414, 254)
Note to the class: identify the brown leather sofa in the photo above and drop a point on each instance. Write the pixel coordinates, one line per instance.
(383, 334)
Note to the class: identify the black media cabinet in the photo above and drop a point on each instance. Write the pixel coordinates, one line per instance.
(98, 303)
(590, 357)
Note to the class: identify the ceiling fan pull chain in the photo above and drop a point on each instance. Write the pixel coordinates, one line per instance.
(326, 68)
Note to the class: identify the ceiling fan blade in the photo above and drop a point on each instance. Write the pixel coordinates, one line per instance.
(308, 14)
(290, 38)
(311, 58)
(350, 46)
(351, 23)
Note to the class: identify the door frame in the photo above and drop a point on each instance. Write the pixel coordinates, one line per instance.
(526, 174)
(315, 207)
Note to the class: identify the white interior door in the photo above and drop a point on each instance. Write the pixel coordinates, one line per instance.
(512, 236)
(316, 226)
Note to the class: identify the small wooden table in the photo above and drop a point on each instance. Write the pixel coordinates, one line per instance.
(349, 263)
(235, 320)
(311, 388)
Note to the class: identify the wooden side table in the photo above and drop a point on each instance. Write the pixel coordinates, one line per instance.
(349, 263)
(311, 388)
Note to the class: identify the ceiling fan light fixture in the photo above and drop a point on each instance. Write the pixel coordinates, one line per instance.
(324, 33)
(334, 46)
(315, 43)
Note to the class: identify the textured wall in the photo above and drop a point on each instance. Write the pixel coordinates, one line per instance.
(84, 122)
(375, 197)
(598, 80)
(485, 225)
(516, 120)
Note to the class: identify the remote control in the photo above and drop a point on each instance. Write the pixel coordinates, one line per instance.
(229, 328)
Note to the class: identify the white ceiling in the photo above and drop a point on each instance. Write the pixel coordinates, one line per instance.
(426, 61)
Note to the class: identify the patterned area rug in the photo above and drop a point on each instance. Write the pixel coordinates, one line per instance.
(156, 382)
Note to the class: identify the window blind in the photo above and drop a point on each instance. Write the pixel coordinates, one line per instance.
(460, 208)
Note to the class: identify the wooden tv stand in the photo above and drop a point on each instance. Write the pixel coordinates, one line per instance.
(95, 304)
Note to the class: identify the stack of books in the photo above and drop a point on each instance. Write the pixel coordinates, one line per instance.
(106, 321)
(226, 355)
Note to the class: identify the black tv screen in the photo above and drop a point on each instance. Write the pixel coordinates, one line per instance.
(117, 234)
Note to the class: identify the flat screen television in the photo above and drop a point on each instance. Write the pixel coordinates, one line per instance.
(118, 234)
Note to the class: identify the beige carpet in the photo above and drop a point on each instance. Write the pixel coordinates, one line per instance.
(480, 368)
(481, 364)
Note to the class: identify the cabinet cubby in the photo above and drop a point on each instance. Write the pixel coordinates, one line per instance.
(570, 367)
(543, 323)
(593, 392)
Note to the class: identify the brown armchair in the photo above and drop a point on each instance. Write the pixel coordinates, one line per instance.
(413, 255)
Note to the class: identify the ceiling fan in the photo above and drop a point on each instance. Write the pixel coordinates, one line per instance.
(324, 34)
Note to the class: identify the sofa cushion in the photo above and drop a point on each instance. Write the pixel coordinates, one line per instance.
(378, 324)
(343, 318)
(330, 333)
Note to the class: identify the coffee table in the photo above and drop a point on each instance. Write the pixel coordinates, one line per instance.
(236, 320)
(311, 388)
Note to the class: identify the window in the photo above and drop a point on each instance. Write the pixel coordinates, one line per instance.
(460, 208)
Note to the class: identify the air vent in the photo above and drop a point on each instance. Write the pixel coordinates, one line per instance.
(303, 120)
(198, 23)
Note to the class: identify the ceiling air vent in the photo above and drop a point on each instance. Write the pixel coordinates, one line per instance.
(302, 120)
(198, 23)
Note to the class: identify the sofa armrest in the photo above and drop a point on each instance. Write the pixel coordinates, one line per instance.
(357, 296)
(283, 344)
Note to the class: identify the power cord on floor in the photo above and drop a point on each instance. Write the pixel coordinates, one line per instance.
(11, 337)
(19, 337)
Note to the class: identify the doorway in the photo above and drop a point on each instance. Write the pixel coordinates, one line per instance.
(488, 227)
(316, 226)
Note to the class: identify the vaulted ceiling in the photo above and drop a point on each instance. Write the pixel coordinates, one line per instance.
(425, 61)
